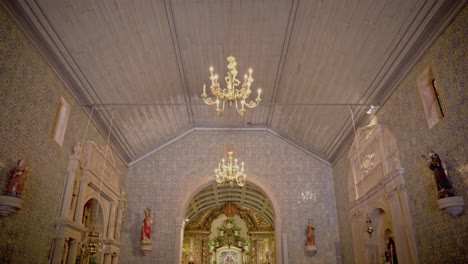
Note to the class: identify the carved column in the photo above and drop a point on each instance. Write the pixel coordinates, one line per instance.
(204, 248)
(72, 251)
(118, 225)
(115, 259)
(80, 202)
(107, 259)
(112, 221)
(278, 243)
(58, 250)
(70, 179)
(357, 229)
(180, 225)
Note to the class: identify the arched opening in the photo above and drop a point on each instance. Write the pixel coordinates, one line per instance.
(92, 215)
(390, 252)
(93, 221)
(377, 243)
(238, 224)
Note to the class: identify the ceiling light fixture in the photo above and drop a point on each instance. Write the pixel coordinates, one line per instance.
(369, 229)
(372, 109)
(230, 171)
(231, 94)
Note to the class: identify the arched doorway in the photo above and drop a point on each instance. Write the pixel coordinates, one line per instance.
(93, 222)
(250, 209)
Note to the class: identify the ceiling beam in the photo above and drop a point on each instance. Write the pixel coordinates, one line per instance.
(180, 61)
(283, 57)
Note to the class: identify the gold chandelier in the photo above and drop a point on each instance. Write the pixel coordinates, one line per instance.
(229, 171)
(231, 94)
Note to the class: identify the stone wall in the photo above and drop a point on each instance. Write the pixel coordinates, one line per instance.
(30, 94)
(440, 237)
(301, 184)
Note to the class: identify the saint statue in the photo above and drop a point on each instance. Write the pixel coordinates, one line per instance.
(310, 231)
(18, 176)
(443, 184)
(145, 236)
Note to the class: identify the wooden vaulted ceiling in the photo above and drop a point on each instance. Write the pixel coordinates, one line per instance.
(144, 62)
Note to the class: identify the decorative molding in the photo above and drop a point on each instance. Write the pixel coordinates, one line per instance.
(388, 180)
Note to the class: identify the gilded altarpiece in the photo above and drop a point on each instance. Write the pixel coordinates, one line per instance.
(245, 237)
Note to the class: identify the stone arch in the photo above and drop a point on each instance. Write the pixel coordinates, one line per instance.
(97, 219)
(382, 222)
(204, 182)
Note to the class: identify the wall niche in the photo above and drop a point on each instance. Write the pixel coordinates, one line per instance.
(430, 96)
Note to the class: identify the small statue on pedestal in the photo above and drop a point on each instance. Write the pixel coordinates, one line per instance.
(145, 235)
(11, 201)
(18, 176)
(444, 187)
(446, 198)
(310, 241)
(310, 230)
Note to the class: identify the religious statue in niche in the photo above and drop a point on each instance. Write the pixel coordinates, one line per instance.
(18, 176)
(444, 187)
(145, 236)
(390, 253)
